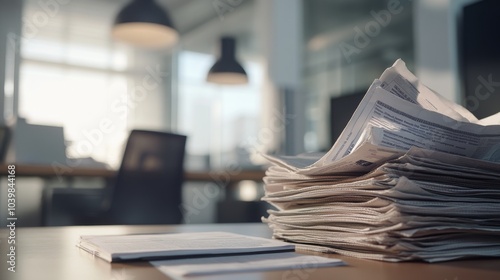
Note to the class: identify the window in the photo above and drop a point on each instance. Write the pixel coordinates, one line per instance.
(217, 119)
(73, 75)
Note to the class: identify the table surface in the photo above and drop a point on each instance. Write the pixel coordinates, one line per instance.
(50, 253)
(223, 176)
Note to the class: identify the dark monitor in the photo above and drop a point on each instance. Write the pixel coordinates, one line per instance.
(480, 57)
(341, 110)
(4, 142)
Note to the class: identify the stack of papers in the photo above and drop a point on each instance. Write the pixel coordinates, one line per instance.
(413, 176)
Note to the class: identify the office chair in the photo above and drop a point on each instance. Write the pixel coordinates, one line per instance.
(147, 189)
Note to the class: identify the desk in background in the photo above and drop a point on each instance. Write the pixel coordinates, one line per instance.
(226, 180)
(50, 253)
(47, 171)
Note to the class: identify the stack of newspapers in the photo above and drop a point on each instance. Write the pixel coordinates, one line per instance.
(413, 176)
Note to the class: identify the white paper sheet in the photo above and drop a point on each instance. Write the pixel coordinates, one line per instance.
(288, 262)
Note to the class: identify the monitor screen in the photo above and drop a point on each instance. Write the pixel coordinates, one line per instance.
(341, 110)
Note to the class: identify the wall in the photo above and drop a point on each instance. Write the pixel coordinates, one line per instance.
(10, 30)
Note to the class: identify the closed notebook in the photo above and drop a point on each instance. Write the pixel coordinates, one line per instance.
(115, 248)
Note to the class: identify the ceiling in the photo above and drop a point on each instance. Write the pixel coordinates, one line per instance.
(201, 23)
(189, 14)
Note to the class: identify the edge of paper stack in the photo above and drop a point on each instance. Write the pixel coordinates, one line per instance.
(413, 176)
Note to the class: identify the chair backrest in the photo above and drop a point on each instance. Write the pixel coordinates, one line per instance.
(148, 187)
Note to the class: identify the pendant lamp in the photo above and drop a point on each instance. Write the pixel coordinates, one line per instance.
(144, 23)
(227, 70)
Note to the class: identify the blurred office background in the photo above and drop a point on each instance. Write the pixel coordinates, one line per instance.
(71, 93)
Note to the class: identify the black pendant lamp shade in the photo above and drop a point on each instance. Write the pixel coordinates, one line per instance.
(227, 70)
(144, 23)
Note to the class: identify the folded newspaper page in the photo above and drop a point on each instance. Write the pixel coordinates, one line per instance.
(413, 176)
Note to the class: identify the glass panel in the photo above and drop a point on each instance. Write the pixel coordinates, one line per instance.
(217, 119)
(347, 45)
(80, 101)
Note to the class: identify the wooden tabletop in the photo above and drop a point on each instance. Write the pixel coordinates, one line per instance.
(50, 253)
(48, 171)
